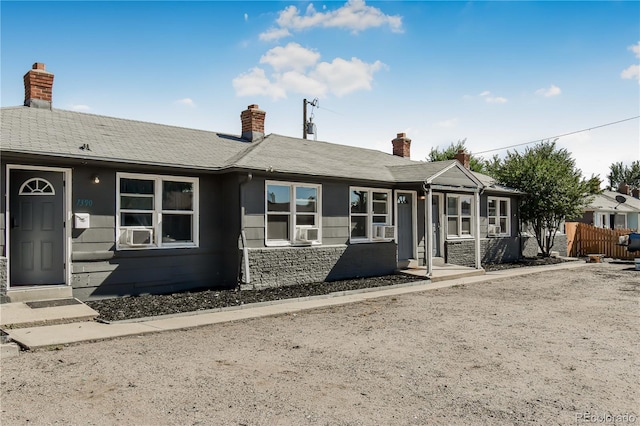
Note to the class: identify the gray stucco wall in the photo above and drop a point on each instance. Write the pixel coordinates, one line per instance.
(282, 266)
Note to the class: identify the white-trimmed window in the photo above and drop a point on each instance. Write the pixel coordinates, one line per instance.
(292, 213)
(369, 213)
(459, 215)
(156, 211)
(499, 216)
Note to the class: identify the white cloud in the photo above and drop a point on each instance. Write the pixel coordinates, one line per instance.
(246, 17)
(633, 71)
(297, 70)
(492, 99)
(274, 34)
(354, 15)
(292, 57)
(297, 82)
(496, 100)
(255, 82)
(80, 107)
(551, 91)
(343, 77)
(451, 122)
(186, 101)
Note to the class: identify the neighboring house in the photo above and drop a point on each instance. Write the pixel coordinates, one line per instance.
(607, 212)
(99, 207)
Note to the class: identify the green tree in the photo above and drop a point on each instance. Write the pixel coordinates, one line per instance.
(476, 164)
(553, 188)
(620, 173)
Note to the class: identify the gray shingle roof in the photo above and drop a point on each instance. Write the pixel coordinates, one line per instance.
(292, 155)
(62, 133)
(607, 202)
(492, 185)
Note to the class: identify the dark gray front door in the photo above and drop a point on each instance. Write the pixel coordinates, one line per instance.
(36, 222)
(405, 225)
(435, 225)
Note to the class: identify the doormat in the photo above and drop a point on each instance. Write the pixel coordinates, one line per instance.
(52, 303)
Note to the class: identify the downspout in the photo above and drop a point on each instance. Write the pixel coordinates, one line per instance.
(246, 277)
(476, 196)
(428, 221)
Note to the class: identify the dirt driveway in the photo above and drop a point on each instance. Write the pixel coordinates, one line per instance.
(549, 348)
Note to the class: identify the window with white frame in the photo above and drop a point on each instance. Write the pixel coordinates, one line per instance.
(499, 214)
(459, 215)
(369, 213)
(292, 213)
(156, 211)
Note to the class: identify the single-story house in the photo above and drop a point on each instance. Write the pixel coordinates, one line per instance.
(606, 210)
(98, 207)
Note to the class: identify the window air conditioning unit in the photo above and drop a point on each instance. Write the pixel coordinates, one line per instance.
(384, 232)
(139, 237)
(307, 235)
(494, 230)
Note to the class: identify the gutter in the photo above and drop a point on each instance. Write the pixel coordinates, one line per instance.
(246, 277)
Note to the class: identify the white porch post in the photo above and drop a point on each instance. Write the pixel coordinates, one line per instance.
(476, 196)
(427, 229)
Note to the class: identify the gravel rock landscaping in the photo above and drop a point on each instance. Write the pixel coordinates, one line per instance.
(152, 305)
(124, 308)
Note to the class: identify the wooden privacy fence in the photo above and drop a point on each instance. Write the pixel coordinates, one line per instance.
(583, 239)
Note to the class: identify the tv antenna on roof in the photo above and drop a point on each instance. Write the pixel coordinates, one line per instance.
(308, 127)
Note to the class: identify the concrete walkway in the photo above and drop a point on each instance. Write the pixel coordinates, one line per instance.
(54, 335)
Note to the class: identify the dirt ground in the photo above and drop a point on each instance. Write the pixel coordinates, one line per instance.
(550, 348)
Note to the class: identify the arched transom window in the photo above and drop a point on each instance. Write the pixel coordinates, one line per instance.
(37, 186)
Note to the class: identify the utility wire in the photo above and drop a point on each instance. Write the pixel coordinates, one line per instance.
(559, 136)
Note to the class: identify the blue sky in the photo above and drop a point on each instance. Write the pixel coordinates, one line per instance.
(495, 73)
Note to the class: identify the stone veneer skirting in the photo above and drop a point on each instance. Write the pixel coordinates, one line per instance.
(283, 266)
(530, 245)
(3, 279)
(494, 250)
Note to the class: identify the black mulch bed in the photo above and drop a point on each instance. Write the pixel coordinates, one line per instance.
(151, 305)
(528, 261)
(123, 308)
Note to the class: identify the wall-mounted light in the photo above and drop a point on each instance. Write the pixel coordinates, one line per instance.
(95, 178)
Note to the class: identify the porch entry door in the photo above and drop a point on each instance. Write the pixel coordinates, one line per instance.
(404, 200)
(435, 225)
(36, 227)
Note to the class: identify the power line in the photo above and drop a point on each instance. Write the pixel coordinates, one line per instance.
(559, 136)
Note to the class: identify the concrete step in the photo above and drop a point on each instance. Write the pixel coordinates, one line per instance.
(45, 312)
(453, 275)
(42, 292)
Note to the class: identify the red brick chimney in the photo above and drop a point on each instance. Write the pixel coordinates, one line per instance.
(252, 123)
(38, 87)
(402, 146)
(623, 188)
(463, 157)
